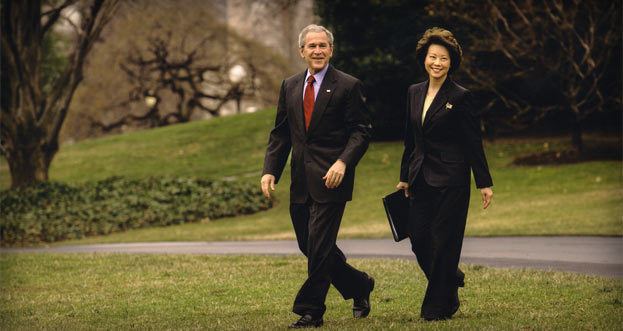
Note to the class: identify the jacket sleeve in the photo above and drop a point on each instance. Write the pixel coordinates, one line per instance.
(357, 126)
(409, 142)
(472, 142)
(279, 141)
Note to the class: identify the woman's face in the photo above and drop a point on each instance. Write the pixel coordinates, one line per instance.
(437, 62)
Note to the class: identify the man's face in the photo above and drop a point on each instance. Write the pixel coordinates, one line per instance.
(317, 51)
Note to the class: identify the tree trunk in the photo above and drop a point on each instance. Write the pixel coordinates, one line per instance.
(576, 135)
(32, 118)
(238, 110)
(29, 164)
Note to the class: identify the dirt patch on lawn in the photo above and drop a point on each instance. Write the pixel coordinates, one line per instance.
(604, 151)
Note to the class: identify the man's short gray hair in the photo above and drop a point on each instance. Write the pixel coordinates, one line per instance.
(314, 28)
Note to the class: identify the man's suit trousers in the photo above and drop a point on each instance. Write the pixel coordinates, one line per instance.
(316, 226)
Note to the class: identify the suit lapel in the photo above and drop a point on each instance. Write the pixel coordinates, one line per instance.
(438, 103)
(297, 97)
(322, 100)
(419, 104)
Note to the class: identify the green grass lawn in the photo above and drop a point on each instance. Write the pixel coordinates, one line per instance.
(159, 292)
(576, 199)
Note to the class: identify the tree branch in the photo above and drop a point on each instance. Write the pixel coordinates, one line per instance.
(52, 16)
(100, 14)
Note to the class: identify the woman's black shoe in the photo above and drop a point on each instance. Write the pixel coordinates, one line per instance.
(456, 303)
(436, 318)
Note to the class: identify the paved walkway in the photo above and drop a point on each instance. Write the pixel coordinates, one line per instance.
(588, 255)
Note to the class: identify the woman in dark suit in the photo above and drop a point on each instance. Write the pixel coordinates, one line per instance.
(442, 146)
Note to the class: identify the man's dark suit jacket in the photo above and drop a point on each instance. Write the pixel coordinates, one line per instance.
(338, 130)
(448, 144)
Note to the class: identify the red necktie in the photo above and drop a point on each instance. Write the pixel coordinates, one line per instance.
(308, 100)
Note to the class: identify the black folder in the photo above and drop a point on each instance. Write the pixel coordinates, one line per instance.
(397, 210)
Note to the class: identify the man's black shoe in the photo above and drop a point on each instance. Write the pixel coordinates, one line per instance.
(361, 306)
(306, 321)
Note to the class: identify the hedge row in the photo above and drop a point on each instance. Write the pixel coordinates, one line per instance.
(52, 211)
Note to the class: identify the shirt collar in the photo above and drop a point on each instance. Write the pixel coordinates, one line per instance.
(319, 76)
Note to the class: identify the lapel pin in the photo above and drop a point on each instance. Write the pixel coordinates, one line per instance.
(448, 105)
(328, 91)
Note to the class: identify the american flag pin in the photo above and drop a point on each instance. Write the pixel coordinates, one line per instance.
(328, 91)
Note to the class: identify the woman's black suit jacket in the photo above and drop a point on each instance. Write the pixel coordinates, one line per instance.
(448, 144)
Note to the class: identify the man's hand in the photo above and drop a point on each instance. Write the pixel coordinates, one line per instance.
(335, 174)
(403, 186)
(487, 195)
(267, 181)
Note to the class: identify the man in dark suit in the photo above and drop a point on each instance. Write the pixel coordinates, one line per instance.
(320, 118)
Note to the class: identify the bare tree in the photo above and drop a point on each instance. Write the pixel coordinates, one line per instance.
(196, 81)
(559, 52)
(31, 118)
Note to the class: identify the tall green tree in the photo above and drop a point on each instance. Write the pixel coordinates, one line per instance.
(34, 105)
(525, 61)
(375, 41)
(536, 59)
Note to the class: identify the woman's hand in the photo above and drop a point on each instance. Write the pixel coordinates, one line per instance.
(487, 195)
(403, 186)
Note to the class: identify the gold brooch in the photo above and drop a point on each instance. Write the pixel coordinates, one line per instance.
(448, 106)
